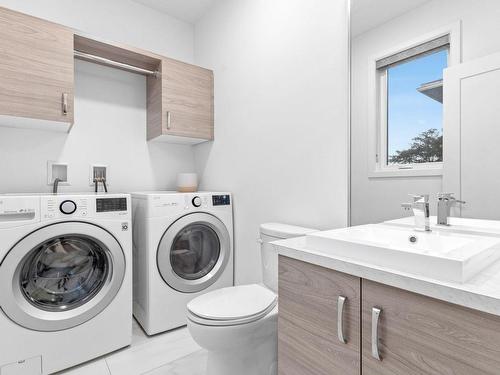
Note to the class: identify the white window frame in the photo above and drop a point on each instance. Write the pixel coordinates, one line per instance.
(377, 115)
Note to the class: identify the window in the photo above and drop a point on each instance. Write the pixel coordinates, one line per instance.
(411, 107)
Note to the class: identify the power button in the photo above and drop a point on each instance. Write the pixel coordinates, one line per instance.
(196, 201)
(67, 207)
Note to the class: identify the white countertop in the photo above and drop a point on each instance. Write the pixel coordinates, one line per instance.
(482, 292)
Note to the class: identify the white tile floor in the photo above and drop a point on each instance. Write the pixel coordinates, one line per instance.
(171, 353)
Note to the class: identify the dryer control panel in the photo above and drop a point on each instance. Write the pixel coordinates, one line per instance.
(165, 204)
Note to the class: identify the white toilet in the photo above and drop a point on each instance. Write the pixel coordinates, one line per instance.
(238, 325)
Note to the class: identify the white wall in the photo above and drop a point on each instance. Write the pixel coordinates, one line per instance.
(374, 200)
(281, 113)
(110, 106)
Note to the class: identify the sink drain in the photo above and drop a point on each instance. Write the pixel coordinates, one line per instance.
(413, 239)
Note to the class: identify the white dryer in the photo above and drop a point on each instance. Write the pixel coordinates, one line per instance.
(66, 280)
(183, 247)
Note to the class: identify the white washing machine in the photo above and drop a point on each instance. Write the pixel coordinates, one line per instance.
(66, 280)
(183, 247)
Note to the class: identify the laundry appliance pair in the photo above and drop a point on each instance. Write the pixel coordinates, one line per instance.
(66, 264)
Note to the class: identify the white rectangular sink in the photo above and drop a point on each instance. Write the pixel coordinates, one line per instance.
(446, 256)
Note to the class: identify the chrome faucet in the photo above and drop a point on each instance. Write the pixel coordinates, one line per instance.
(445, 202)
(421, 211)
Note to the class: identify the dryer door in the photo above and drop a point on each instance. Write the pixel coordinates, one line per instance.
(194, 252)
(60, 276)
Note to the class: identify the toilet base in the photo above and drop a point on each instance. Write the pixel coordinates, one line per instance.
(244, 361)
(247, 349)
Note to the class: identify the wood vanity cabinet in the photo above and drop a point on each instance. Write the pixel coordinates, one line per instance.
(419, 335)
(181, 103)
(36, 70)
(412, 335)
(308, 326)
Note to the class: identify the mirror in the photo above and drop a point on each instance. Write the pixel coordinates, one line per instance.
(425, 87)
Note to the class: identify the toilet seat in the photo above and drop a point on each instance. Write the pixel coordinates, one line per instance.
(232, 306)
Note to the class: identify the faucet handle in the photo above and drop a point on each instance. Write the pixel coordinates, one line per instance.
(449, 197)
(443, 195)
(420, 197)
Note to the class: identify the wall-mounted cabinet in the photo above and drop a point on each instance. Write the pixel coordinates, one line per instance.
(37, 80)
(36, 72)
(402, 333)
(180, 105)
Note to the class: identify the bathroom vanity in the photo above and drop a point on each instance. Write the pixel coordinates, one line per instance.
(339, 314)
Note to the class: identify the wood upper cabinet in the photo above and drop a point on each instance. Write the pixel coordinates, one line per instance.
(181, 103)
(419, 335)
(37, 80)
(36, 70)
(308, 324)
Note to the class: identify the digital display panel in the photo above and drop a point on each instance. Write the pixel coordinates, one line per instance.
(221, 200)
(111, 204)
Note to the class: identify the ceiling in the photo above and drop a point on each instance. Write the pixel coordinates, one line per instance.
(368, 14)
(365, 14)
(186, 10)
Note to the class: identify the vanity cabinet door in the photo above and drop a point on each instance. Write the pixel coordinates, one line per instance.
(419, 335)
(186, 111)
(36, 69)
(308, 340)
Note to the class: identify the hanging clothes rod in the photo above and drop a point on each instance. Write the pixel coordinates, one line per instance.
(116, 64)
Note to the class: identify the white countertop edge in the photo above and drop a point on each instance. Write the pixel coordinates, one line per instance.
(481, 293)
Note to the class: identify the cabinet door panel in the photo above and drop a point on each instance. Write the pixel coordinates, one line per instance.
(188, 97)
(419, 335)
(470, 122)
(36, 68)
(308, 341)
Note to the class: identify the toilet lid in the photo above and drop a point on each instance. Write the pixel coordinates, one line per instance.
(234, 303)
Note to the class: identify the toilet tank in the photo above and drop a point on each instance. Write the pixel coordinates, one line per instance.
(273, 232)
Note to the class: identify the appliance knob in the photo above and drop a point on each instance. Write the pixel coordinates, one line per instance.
(67, 207)
(196, 201)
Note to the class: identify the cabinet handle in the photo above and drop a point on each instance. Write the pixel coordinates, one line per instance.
(168, 119)
(375, 319)
(65, 103)
(340, 319)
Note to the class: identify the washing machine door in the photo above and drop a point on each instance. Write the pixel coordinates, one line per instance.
(194, 252)
(61, 276)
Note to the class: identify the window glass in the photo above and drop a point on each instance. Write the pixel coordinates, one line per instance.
(415, 109)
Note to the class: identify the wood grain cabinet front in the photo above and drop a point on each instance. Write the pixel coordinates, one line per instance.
(36, 71)
(419, 335)
(319, 320)
(401, 333)
(37, 80)
(180, 104)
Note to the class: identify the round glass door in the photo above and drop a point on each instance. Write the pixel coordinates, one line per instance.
(61, 276)
(193, 252)
(64, 272)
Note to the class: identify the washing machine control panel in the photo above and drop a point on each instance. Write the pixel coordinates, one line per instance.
(83, 206)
